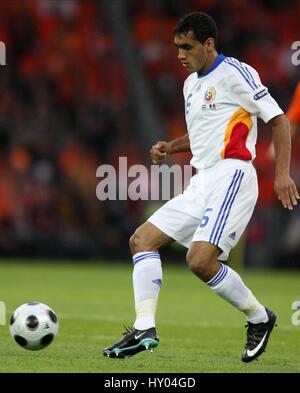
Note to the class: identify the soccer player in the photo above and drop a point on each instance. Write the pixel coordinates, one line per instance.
(223, 98)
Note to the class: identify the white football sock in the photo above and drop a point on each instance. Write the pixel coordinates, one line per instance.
(147, 280)
(229, 285)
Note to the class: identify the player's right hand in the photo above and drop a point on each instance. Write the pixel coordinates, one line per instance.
(160, 152)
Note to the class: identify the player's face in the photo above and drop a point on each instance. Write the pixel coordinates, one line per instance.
(193, 55)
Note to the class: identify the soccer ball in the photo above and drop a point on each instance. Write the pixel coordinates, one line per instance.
(33, 326)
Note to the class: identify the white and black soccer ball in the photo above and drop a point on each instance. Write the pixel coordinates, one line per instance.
(33, 326)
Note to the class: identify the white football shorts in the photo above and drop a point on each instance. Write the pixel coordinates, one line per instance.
(216, 206)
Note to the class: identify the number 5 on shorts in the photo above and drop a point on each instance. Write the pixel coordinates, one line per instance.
(205, 218)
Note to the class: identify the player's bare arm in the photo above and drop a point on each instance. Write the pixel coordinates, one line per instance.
(161, 150)
(284, 185)
(293, 131)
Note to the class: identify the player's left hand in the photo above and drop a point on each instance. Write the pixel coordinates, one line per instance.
(286, 191)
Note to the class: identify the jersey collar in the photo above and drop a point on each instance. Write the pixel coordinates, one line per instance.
(217, 62)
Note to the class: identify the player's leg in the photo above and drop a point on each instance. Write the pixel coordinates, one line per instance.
(175, 220)
(147, 280)
(231, 204)
(202, 259)
(147, 272)
(225, 282)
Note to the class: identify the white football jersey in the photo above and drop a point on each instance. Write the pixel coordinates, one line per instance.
(221, 109)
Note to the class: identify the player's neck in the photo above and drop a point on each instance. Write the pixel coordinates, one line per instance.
(210, 61)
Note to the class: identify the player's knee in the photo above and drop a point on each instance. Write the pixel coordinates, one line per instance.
(138, 242)
(198, 264)
(133, 243)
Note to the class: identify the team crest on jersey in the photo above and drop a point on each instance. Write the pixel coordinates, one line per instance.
(210, 94)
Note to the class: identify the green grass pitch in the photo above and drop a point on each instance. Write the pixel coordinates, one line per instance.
(199, 332)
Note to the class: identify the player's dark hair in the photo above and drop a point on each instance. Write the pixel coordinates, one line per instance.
(202, 25)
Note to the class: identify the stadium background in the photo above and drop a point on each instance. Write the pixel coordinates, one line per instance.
(88, 81)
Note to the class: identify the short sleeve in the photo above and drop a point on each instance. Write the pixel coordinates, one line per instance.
(246, 89)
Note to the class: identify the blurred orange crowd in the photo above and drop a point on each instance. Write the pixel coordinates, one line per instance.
(64, 110)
